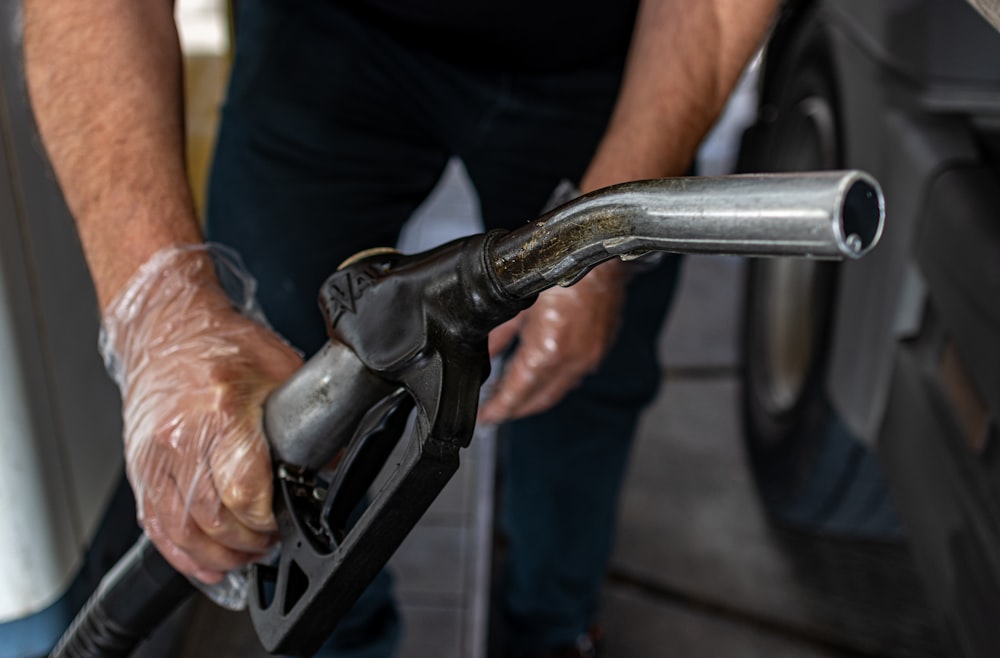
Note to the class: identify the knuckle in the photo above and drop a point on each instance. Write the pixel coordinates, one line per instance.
(236, 495)
(242, 497)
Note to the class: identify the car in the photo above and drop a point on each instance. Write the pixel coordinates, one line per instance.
(871, 389)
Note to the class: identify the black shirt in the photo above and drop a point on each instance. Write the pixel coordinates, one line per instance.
(542, 35)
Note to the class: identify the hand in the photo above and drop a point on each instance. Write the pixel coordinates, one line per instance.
(563, 337)
(194, 374)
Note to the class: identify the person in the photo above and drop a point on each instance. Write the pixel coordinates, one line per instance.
(339, 118)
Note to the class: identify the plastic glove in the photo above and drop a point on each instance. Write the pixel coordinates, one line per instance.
(563, 337)
(194, 369)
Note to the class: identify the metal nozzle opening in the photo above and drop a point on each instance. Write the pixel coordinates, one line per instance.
(861, 217)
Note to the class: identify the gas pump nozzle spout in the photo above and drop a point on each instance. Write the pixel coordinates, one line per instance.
(830, 215)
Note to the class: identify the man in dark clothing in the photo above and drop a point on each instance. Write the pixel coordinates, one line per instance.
(339, 120)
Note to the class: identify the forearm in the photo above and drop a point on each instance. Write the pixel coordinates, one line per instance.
(684, 61)
(105, 83)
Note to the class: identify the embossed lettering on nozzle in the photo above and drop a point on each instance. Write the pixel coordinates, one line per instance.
(861, 216)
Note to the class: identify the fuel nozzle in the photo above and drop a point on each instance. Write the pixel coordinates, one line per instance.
(408, 333)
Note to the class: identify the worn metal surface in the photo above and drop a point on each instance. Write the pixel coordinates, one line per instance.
(820, 215)
(321, 401)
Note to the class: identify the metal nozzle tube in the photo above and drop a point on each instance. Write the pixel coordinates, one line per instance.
(824, 215)
(830, 215)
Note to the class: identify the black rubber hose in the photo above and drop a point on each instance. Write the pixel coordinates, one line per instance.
(132, 600)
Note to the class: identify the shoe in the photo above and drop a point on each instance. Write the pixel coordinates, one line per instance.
(588, 645)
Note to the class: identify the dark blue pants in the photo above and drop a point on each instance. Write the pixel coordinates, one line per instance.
(333, 133)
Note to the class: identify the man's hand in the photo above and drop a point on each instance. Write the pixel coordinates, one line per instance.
(563, 337)
(194, 373)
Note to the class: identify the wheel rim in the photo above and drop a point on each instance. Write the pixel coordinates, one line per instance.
(792, 295)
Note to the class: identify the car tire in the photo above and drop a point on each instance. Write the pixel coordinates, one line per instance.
(810, 471)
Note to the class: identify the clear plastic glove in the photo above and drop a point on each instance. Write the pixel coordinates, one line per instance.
(563, 337)
(194, 367)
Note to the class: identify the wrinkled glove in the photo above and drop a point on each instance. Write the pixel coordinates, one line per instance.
(563, 337)
(194, 367)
